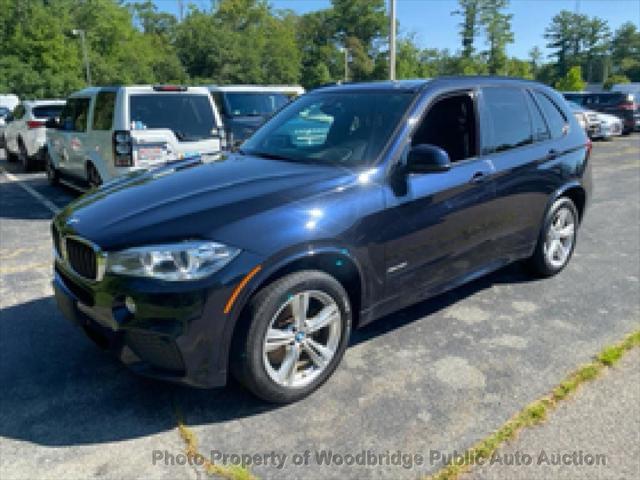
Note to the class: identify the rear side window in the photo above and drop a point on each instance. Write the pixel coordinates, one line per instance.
(103, 112)
(190, 117)
(555, 118)
(507, 122)
(47, 111)
(74, 115)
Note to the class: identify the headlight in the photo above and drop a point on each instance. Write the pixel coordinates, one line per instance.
(172, 262)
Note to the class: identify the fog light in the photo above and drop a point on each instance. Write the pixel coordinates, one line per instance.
(130, 304)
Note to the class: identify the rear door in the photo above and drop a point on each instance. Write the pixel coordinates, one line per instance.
(523, 148)
(77, 137)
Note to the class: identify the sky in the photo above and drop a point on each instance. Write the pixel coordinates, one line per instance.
(434, 26)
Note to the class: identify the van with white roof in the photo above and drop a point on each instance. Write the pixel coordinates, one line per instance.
(106, 132)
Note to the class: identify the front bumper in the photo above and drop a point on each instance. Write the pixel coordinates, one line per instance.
(177, 333)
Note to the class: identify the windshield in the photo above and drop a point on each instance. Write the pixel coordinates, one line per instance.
(254, 104)
(47, 111)
(348, 129)
(4, 112)
(190, 117)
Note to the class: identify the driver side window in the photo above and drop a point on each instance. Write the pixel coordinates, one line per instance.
(450, 123)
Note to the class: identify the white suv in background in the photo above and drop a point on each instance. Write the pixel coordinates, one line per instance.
(24, 135)
(105, 132)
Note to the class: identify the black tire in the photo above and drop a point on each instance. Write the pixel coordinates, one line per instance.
(247, 363)
(53, 176)
(23, 157)
(11, 157)
(539, 262)
(93, 177)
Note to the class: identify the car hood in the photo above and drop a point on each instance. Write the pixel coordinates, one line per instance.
(191, 200)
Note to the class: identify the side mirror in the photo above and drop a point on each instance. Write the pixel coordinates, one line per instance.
(53, 122)
(427, 159)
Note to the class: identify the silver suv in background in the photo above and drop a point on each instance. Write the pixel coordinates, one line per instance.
(106, 132)
(244, 108)
(24, 136)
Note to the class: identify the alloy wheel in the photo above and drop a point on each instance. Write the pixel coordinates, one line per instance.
(560, 237)
(302, 338)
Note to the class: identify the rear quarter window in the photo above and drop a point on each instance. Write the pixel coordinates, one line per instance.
(103, 112)
(555, 118)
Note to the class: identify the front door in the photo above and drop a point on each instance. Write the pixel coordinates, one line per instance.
(439, 228)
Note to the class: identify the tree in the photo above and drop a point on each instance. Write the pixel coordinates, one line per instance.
(563, 36)
(497, 27)
(572, 81)
(535, 58)
(469, 10)
(614, 80)
(625, 51)
(596, 41)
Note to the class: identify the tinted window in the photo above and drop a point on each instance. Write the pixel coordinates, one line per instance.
(540, 130)
(73, 117)
(578, 98)
(47, 111)
(555, 118)
(507, 115)
(103, 112)
(332, 128)
(18, 112)
(190, 117)
(4, 112)
(81, 115)
(254, 104)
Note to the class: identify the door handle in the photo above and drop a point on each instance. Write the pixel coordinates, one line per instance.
(479, 177)
(552, 155)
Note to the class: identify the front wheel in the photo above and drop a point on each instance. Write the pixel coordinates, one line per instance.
(93, 177)
(557, 239)
(299, 329)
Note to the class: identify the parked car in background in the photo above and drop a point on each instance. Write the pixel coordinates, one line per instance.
(623, 105)
(9, 100)
(260, 264)
(599, 126)
(105, 132)
(4, 113)
(25, 136)
(611, 126)
(245, 107)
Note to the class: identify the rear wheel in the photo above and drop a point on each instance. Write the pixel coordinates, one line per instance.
(557, 239)
(23, 157)
(52, 173)
(93, 177)
(297, 333)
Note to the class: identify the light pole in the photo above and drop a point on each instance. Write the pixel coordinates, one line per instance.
(81, 34)
(346, 63)
(392, 40)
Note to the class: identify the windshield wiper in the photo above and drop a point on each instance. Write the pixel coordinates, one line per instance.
(270, 156)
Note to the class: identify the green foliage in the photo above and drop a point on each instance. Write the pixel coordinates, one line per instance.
(572, 81)
(247, 41)
(614, 80)
(497, 26)
(469, 10)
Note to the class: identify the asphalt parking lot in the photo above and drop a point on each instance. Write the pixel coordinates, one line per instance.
(432, 378)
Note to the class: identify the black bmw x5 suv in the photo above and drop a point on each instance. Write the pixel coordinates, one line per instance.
(352, 202)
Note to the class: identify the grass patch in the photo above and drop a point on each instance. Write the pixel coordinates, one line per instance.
(537, 412)
(220, 471)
